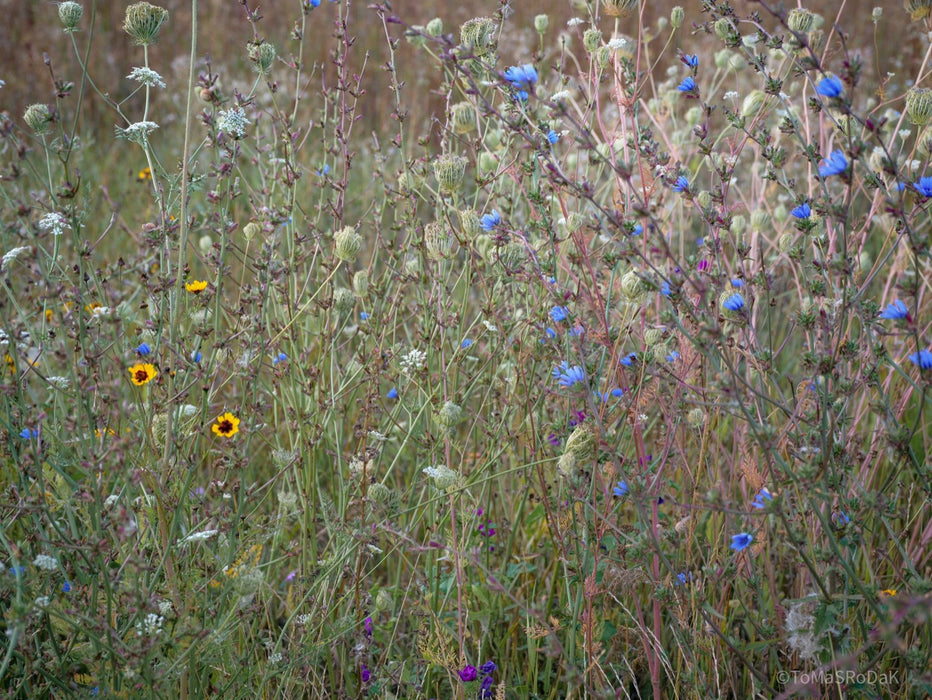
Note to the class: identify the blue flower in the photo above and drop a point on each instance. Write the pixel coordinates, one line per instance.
(559, 313)
(922, 359)
(803, 211)
(522, 77)
(895, 311)
(313, 3)
(621, 489)
(577, 330)
(690, 60)
(618, 393)
(688, 85)
(741, 541)
(551, 334)
(629, 359)
(568, 376)
(637, 230)
(280, 357)
(326, 169)
(760, 500)
(196, 356)
(143, 349)
(665, 288)
(29, 433)
(835, 164)
(841, 519)
(829, 87)
(521, 96)
(737, 283)
(673, 356)
(924, 186)
(466, 343)
(734, 303)
(490, 221)
(553, 136)
(66, 586)
(681, 184)
(392, 393)
(363, 316)
(683, 578)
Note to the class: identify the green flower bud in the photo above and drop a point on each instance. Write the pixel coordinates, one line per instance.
(602, 56)
(704, 199)
(918, 9)
(632, 286)
(251, 230)
(486, 246)
(379, 493)
(361, 284)
(817, 40)
(437, 240)
(463, 117)
(724, 30)
(205, 244)
(38, 118)
(263, 56)
(800, 20)
(652, 336)
(575, 221)
(739, 224)
(511, 256)
(694, 116)
(70, 14)
(347, 244)
(449, 171)
(143, 22)
(722, 58)
(488, 163)
(541, 22)
(448, 417)
(415, 35)
(618, 8)
(677, 15)
(787, 240)
(434, 28)
(344, 301)
(755, 102)
(479, 35)
(383, 600)
(592, 39)
(759, 220)
(493, 139)
(919, 105)
(696, 418)
(469, 223)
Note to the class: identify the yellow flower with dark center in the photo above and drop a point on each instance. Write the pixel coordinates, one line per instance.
(196, 286)
(144, 174)
(226, 425)
(143, 373)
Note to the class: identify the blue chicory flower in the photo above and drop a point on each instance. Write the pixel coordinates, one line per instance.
(895, 311)
(829, 87)
(760, 500)
(734, 303)
(681, 184)
(741, 541)
(143, 349)
(553, 136)
(559, 313)
(567, 376)
(490, 221)
(922, 359)
(392, 393)
(688, 84)
(691, 60)
(803, 211)
(522, 77)
(280, 357)
(835, 164)
(29, 433)
(924, 186)
(629, 359)
(621, 489)
(466, 343)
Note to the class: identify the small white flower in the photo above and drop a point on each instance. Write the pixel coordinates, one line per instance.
(61, 383)
(138, 132)
(413, 362)
(53, 222)
(42, 602)
(730, 95)
(198, 536)
(619, 42)
(45, 562)
(377, 436)
(165, 607)
(490, 327)
(150, 626)
(575, 21)
(233, 122)
(304, 619)
(2, 83)
(111, 500)
(147, 77)
(559, 96)
(14, 254)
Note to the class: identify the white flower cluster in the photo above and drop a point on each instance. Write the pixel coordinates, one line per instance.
(61, 383)
(413, 362)
(198, 536)
(233, 122)
(147, 77)
(444, 477)
(14, 254)
(45, 562)
(150, 626)
(138, 132)
(54, 222)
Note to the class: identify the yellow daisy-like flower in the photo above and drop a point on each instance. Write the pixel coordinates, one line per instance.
(226, 425)
(889, 591)
(143, 373)
(196, 286)
(144, 174)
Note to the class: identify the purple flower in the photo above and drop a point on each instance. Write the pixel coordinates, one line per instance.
(703, 265)
(553, 439)
(734, 303)
(829, 87)
(488, 668)
(682, 183)
(835, 164)
(490, 221)
(486, 688)
(741, 541)
(468, 674)
(522, 77)
(922, 359)
(367, 626)
(803, 211)
(895, 311)
(559, 313)
(688, 85)
(363, 671)
(924, 186)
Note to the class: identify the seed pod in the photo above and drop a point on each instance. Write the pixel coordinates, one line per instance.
(437, 240)
(348, 243)
(263, 55)
(449, 171)
(143, 22)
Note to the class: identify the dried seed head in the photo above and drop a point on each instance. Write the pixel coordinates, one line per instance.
(800, 20)
(251, 230)
(696, 418)
(918, 9)
(437, 240)
(469, 223)
(344, 301)
(919, 105)
(143, 22)
(677, 15)
(592, 39)
(263, 56)
(618, 8)
(70, 14)
(449, 171)
(479, 35)
(361, 284)
(581, 443)
(38, 118)
(463, 117)
(541, 22)
(347, 243)
(434, 28)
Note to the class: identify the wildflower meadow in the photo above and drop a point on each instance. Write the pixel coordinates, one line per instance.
(557, 350)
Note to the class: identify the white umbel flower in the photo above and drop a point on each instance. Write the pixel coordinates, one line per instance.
(55, 223)
(233, 122)
(147, 77)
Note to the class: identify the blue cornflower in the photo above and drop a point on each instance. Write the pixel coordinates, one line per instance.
(490, 221)
(629, 359)
(835, 164)
(688, 84)
(29, 433)
(681, 184)
(364, 316)
(637, 230)
(567, 376)
(924, 186)
(829, 87)
(521, 96)
(280, 357)
(737, 283)
(522, 77)
(551, 334)
(691, 60)
(734, 303)
(143, 349)
(803, 211)
(553, 136)
(621, 489)
(392, 393)
(922, 359)
(760, 500)
(466, 343)
(559, 313)
(673, 356)
(895, 311)
(196, 356)
(741, 541)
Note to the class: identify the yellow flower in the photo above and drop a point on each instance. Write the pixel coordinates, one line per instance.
(226, 425)
(10, 364)
(196, 286)
(889, 591)
(144, 174)
(142, 373)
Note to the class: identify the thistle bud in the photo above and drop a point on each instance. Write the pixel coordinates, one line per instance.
(251, 230)
(463, 117)
(696, 418)
(618, 8)
(38, 118)
(592, 39)
(919, 105)
(800, 20)
(437, 240)
(677, 15)
(449, 171)
(263, 55)
(344, 301)
(361, 284)
(347, 243)
(143, 22)
(479, 35)
(70, 14)
(469, 223)
(918, 9)
(541, 22)
(434, 28)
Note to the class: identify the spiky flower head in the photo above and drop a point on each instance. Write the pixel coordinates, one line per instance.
(800, 20)
(143, 22)
(263, 56)
(70, 14)
(592, 39)
(434, 28)
(449, 171)
(347, 244)
(919, 105)
(918, 9)
(38, 117)
(633, 286)
(479, 35)
(618, 8)
(437, 240)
